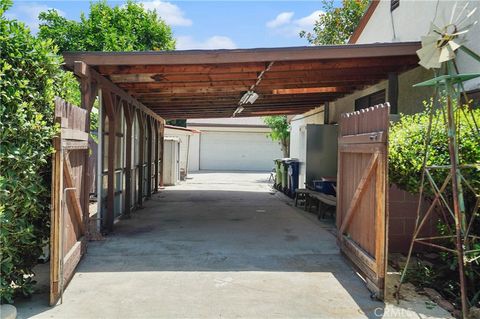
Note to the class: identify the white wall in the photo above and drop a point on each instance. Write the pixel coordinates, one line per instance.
(194, 153)
(411, 20)
(183, 137)
(298, 139)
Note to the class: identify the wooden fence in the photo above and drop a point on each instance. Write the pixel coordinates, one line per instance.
(70, 193)
(363, 193)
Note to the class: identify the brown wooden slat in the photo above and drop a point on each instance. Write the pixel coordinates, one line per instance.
(358, 192)
(301, 82)
(251, 77)
(182, 69)
(75, 204)
(251, 109)
(174, 107)
(222, 101)
(364, 138)
(72, 134)
(239, 90)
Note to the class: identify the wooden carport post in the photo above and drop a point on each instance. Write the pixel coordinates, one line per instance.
(141, 122)
(162, 148)
(88, 92)
(157, 141)
(128, 154)
(110, 109)
(149, 156)
(114, 97)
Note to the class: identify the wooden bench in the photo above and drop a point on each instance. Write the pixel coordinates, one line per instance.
(320, 200)
(309, 198)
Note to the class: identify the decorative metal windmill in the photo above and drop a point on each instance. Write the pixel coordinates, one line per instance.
(438, 52)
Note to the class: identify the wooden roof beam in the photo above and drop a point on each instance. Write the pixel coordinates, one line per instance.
(264, 85)
(254, 68)
(212, 80)
(155, 106)
(243, 55)
(182, 69)
(83, 70)
(327, 89)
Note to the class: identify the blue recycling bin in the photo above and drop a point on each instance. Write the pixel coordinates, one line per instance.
(293, 173)
(325, 185)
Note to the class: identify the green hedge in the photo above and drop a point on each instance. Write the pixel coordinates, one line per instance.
(406, 151)
(29, 77)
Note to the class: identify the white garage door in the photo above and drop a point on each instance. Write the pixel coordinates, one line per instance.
(237, 151)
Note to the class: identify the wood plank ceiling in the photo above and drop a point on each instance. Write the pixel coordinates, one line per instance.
(210, 83)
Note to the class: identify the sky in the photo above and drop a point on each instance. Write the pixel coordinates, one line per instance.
(206, 24)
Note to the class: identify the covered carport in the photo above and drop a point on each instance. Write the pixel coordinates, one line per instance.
(137, 91)
(211, 83)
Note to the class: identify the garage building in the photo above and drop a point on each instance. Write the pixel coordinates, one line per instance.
(232, 144)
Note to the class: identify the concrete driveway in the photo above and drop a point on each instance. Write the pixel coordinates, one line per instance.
(221, 245)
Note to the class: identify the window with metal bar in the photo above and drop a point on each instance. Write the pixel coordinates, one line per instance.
(370, 100)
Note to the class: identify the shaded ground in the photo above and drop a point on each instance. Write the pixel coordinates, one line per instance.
(219, 245)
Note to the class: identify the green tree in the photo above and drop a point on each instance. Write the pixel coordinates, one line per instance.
(121, 28)
(337, 24)
(30, 77)
(280, 131)
(182, 123)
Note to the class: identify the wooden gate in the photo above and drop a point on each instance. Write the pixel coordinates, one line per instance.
(70, 193)
(362, 192)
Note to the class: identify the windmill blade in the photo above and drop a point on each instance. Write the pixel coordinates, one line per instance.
(453, 45)
(430, 40)
(446, 54)
(461, 21)
(453, 13)
(429, 57)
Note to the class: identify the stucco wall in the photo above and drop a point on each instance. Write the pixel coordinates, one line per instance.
(411, 20)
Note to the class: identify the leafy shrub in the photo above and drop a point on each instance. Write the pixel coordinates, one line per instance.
(406, 154)
(29, 78)
(406, 151)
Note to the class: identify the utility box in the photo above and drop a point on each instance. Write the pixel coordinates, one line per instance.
(171, 161)
(321, 149)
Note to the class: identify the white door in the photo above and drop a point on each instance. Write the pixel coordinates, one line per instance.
(237, 151)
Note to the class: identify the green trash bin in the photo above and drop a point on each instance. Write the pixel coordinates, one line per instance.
(278, 173)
